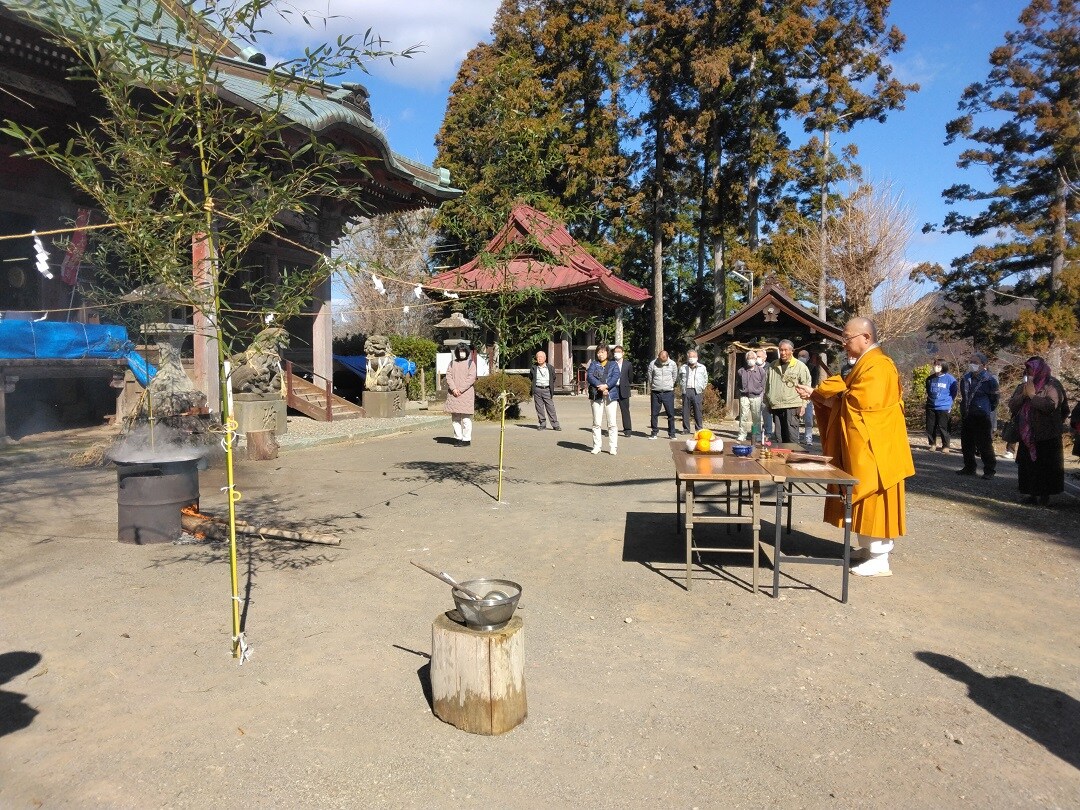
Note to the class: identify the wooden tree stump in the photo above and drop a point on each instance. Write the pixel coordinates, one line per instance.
(262, 445)
(477, 677)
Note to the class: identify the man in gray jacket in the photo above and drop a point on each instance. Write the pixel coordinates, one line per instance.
(662, 375)
(783, 400)
(693, 379)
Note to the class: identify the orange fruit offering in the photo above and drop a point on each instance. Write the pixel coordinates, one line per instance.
(703, 445)
(704, 433)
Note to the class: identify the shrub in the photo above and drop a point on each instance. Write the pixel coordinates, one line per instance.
(712, 405)
(422, 352)
(915, 401)
(488, 389)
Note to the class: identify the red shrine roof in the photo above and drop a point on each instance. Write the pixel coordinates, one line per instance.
(577, 271)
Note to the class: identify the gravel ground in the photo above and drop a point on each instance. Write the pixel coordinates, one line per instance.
(954, 683)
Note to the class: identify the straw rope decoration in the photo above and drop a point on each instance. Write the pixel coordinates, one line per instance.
(379, 281)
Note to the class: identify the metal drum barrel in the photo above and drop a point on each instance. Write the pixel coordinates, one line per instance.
(150, 495)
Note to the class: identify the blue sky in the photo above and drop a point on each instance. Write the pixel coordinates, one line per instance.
(948, 45)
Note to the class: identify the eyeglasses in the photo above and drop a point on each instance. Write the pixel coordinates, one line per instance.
(848, 338)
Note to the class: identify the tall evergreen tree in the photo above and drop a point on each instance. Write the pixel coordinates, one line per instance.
(1029, 141)
(534, 116)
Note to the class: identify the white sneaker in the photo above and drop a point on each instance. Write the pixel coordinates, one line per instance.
(614, 451)
(652, 437)
(876, 566)
(1008, 455)
(595, 451)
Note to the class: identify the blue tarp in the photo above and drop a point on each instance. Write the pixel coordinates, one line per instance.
(51, 340)
(357, 364)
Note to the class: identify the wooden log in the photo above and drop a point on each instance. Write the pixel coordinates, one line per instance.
(219, 530)
(262, 445)
(477, 677)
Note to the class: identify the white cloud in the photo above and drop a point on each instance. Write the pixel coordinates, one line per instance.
(445, 30)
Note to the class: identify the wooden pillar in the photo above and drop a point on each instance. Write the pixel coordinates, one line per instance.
(567, 361)
(478, 677)
(207, 377)
(322, 332)
(729, 398)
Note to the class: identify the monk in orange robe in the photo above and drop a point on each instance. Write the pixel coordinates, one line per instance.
(861, 421)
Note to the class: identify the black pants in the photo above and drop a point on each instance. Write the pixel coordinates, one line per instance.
(624, 411)
(665, 400)
(786, 424)
(975, 435)
(937, 424)
(691, 401)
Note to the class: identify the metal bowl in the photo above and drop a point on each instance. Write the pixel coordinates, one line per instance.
(742, 450)
(489, 613)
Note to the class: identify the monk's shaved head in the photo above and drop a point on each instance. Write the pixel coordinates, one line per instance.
(861, 324)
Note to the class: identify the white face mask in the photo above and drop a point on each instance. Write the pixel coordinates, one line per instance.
(618, 355)
(692, 361)
(975, 368)
(937, 369)
(761, 361)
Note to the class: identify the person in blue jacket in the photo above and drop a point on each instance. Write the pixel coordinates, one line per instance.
(941, 389)
(603, 379)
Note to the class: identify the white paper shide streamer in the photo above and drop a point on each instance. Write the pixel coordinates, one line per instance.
(42, 256)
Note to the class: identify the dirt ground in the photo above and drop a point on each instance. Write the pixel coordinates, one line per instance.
(953, 683)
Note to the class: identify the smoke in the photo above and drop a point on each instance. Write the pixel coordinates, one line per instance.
(144, 444)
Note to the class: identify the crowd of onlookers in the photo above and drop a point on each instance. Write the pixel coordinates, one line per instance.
(770, 407)
(1038, 417)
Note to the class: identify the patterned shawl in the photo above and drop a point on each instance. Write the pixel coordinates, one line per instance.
(1038, 373)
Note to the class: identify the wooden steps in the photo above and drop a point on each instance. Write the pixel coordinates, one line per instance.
(311, 399)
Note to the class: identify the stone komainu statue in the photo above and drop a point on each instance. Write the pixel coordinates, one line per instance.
(383, 374)
(258, 370)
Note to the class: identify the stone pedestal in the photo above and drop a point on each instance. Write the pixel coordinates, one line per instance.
(478, 677)
(384, 404)
(254, 412)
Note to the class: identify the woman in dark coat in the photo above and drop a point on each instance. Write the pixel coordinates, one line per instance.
(1038, 405)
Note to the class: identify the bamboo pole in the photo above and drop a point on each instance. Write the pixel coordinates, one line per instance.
(502, 441)
(239, 645)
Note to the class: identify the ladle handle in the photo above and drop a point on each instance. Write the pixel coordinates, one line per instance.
(449, 580)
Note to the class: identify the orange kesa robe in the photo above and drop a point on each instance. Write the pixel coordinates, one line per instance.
(861, 421)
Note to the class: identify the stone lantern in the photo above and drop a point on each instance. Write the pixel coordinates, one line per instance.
(458, 329)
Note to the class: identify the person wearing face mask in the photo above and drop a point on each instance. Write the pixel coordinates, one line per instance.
(861, 422)
(978, 402)
(749, 386)
(1039, 406)
(941, 390)
(626, 380)
(461, 394)
(603, 379)
(785, 404)
(693, 379)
